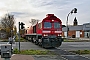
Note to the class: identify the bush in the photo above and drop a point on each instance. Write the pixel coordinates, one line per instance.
(16, 51)
(21, 40)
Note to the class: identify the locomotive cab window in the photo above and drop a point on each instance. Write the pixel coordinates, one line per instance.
(56, 25)
(47, 25)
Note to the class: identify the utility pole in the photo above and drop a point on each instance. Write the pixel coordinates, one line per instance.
(19, 37)
(11, 39)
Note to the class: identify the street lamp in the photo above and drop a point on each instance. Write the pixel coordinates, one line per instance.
(72, 11)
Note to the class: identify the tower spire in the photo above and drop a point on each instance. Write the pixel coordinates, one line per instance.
(75, 23)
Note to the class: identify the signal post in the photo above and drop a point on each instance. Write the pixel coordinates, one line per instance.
(21, 26)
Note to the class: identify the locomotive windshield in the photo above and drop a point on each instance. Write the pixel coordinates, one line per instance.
(47, 25)
(56, 25)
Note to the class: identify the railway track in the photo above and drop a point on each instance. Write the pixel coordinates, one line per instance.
(68, 55)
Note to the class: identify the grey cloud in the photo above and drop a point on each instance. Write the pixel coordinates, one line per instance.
(38, 8)
(25, 14)
(20, 14)
(17, 13)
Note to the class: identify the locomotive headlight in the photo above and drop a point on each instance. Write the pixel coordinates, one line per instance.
(59, 35)
(52, 20)
(45, 34)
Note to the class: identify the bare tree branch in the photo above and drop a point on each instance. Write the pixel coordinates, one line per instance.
(8, 22)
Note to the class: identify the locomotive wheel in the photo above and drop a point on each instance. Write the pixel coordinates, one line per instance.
(36, 43)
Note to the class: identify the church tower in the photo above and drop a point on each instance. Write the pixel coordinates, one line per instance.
(75, 23)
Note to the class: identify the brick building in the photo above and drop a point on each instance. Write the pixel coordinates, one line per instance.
(77, 31)
(74, 31)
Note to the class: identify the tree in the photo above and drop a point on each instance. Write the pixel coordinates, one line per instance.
(14, 30)
(7, 23)
(22, 31)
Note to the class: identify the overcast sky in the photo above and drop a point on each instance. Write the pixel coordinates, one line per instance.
(25, 10)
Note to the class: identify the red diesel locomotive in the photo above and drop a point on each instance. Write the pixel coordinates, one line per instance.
(48, 33)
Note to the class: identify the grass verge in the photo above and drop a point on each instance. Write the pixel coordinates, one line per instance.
(33, 52)
(76, 40)
(16, 40)
(80, 52)
(21, 40)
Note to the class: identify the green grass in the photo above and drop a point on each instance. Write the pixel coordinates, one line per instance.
(33, 52)
(21, 40)
(68, 40)
(4, 40)
(16, 40)
(76, 40)
(81, 52)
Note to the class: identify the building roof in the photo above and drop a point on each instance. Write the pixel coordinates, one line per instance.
(78, 27)
(86, 23)
(86, 26)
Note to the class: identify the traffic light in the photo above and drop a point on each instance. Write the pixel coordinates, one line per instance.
(22, 25)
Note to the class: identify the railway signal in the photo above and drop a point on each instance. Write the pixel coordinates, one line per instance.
(22, 25)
